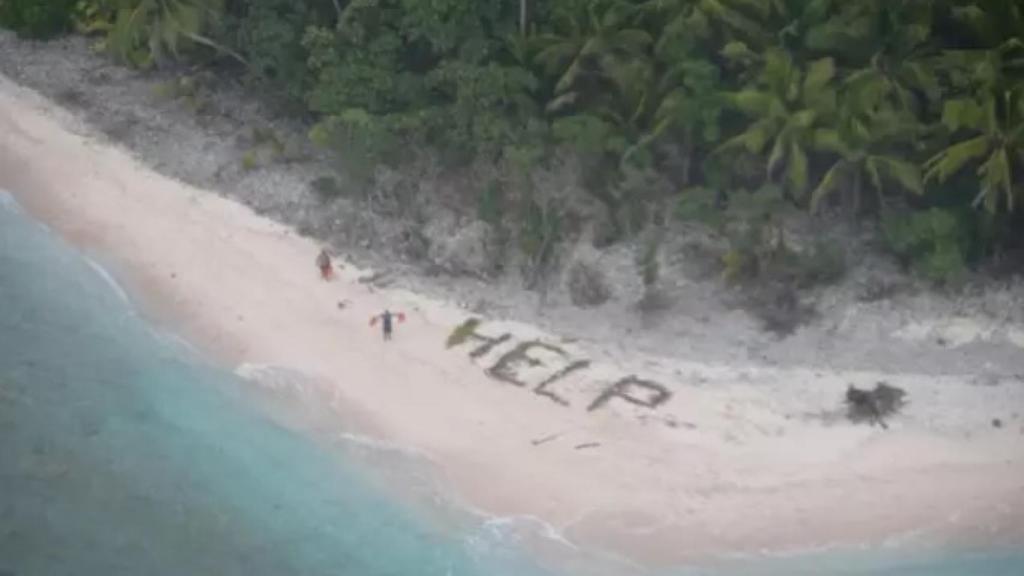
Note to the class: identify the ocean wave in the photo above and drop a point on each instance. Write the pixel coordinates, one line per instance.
(376, 444)
(295, 385)
(173, 340)
(254, 372)
(280, 379)
(109, 279)
(417, 476)
(7, 202)
(503, 528)
(499, 539)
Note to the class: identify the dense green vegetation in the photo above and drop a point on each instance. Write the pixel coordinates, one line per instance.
(907, 111)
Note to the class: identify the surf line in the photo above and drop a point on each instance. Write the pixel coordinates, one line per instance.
(555, 365)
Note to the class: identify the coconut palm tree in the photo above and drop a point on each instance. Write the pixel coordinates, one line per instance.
(145, 31)
(760, 25)
(594, 42)
(986, 118)
(686, 92)
(897, 70)
(993, 125)
(786, 107)
(868, 150)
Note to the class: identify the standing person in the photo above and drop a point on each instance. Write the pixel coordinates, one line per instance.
(387, 322)
(323, 262)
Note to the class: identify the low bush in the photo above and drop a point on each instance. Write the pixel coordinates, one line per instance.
(587, 285)
(326, 188)
(769, 271)
(934, 243)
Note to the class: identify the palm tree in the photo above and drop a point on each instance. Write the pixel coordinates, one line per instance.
(596, 42)
(145, 31)
(995, 145)
(786, 107)
(683, 97)
(687, 100)
(866, 151)
(760, 25)
(897, 71)
(681, 22)
(989, 112)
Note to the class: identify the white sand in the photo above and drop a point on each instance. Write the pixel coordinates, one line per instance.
(740, 458)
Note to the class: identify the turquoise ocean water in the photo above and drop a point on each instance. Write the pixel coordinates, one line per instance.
(123, 453)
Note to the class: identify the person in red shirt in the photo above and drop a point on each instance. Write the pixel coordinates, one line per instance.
(323, 262)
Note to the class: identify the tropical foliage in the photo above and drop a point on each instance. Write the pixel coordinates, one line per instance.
(36, 18)
(874, 107)
(148, 30)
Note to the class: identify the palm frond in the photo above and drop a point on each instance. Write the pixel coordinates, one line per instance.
(828, 184)
(951, 160)
(797, 170)
(997, 180)
(778, 153)
(819, 74)
(829, 140)
(632, 41)
(906, 174)
(752, 102)
(753, 139)
(556, 54)
(145, 30)
(874, 174)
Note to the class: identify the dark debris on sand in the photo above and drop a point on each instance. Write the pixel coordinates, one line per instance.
(874, 406)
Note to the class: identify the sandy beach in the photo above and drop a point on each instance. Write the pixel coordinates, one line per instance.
(661, 460)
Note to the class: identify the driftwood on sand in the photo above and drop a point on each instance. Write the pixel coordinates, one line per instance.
(874, 405)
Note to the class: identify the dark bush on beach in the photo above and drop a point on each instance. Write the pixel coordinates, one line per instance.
(874, 405)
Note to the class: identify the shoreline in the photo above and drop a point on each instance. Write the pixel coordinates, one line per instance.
(717, 480)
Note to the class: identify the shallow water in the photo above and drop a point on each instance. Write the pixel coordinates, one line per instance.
(122, 452)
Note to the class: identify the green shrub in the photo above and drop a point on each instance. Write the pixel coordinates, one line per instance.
(39, 19)
(767, 269)
(491, 204)
(647, 262)
(270, 33)
(94, 17)
(326, 188)
(934, 243)
(700, 205)
(251, 160)
(823, 264)
(361, 142)
(540, 226)
(540, 230)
